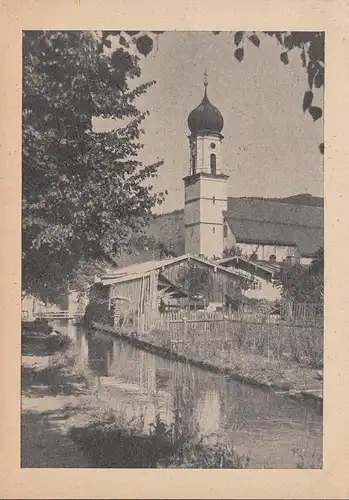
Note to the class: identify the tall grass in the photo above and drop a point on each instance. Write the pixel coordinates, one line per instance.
(274, 342)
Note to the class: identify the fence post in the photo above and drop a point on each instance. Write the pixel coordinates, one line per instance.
(185, 329)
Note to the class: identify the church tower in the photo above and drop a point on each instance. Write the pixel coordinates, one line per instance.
(206, 184)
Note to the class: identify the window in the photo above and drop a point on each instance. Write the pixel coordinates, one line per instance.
(214, 230)
(225, 231)
(272, 257)
(193, 164)
(256, 285)
(213, 165)
(214, 200)
(213, 145)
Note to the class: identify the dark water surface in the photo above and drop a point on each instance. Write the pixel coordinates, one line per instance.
(134, 383)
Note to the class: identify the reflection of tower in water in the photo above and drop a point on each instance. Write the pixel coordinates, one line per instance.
(209, 413)
(184, 390)
(98, 347)
(82, 349)
(132, 384)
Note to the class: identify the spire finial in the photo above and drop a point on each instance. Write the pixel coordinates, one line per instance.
(205, 80)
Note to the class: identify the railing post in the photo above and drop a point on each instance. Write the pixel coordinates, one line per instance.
(185, 329)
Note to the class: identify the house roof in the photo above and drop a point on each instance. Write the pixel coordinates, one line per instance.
(265, 269)
(136, 271)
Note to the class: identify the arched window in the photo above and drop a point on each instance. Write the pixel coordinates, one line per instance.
(272, 257)
(193, 164)
(213, 162)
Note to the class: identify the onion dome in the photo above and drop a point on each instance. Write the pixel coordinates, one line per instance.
(206, 118)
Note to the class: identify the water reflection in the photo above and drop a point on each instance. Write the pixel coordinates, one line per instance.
(137, 384)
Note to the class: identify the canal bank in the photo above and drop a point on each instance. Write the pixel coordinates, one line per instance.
(285, 378)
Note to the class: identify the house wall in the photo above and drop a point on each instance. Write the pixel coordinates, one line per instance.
(219, 282)
(77, 302)
(141, 299)
(31, 306)
(306, 261)
(263, 251)
(267, 291)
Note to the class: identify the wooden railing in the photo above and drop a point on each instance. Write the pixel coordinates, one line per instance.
(58, 314)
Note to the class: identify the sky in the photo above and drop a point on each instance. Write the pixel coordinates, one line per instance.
(270, 147)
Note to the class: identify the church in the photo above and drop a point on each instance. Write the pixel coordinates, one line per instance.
(211, 221)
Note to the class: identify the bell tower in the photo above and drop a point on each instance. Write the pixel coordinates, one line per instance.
(206, 184)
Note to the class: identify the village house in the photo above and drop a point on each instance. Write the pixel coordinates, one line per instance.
(262, 277)
(132, 296)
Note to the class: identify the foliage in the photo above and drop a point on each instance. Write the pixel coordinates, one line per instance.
(195, 281)
(304, 284)
(234, 251)
(84, 193)
(311, 48)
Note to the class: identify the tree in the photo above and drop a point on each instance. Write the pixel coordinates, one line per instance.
(234, 251)
(83, 192)
(195, 281)
(311, 47)
(304, 283)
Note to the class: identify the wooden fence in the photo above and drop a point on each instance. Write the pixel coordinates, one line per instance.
(287, 315)
(214, 334)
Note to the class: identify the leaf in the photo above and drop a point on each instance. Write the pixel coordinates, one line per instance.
(123, 41)
(307, 100)
(311, 70)
(279, 37)
(284, 57)
(319, 78)
(288, 42)
(239, 54)
(144, 45)
(107, 43)
(255, 40)
(238, 37)
(322, 148)
(315, 112)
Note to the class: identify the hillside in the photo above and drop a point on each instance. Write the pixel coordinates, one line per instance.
(304, 199)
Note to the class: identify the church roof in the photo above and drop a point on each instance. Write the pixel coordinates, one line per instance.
(268, 222)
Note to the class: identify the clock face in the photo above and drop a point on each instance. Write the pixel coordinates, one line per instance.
(213, 145)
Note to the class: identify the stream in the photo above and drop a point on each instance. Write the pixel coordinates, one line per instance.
(274, 430)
